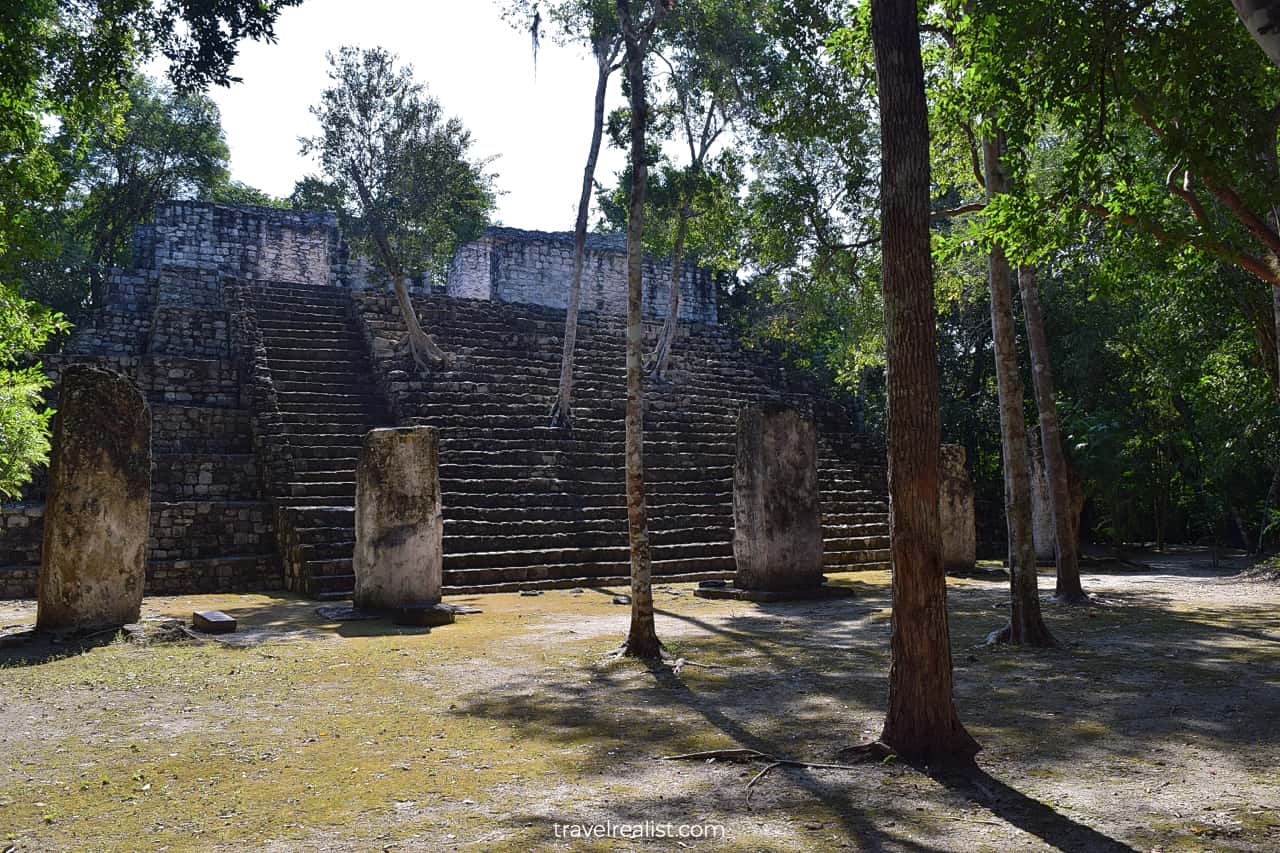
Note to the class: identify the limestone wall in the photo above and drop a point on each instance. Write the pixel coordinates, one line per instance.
(298, 247)
(536, 267)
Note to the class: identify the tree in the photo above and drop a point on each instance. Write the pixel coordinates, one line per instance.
(171, 146)
(1262, 19)
(385, 144)
(921, 724)
(1026, 626)
(24, 422)
(1155, 142)
(596, 22)
(1066, 530)
(711, 52)
(638, 30)
(63, 76)
(1011, 211)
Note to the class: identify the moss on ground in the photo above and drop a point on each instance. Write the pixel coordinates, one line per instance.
(1150, 726)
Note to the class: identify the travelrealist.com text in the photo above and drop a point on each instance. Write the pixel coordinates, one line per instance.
(641, 830)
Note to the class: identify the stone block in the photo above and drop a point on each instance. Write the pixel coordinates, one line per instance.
(213, 622)
(956, 510)
(398, 558)
(96, 518)
(777, 521)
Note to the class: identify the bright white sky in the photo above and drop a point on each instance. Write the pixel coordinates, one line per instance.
(477, 65)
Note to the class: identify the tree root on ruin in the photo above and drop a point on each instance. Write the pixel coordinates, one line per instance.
(772, 762)
(560, 417)
(426, 352)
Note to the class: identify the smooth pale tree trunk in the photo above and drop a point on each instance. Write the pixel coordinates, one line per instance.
(562, 408)
(1056, 465)
(421, 345)
(1026, 625)
(642, 637)
(1262, 19)
(921, 725)
(1272, 499)
(662, 353)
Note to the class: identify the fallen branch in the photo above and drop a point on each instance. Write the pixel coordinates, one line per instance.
(678, 664)
(675, 664)
(748, 755)
(758, 777)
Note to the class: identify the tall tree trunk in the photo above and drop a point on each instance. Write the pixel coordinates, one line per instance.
(421, 345)
(921, 724)
(662, 353)
(562, 408)
(1067, 548)
(1262, 19)
(1026, 626)
(642, 637)
(1272, 499)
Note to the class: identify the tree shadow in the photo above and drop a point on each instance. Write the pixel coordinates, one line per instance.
(38, 647)
(1139, 676)
(1029, 814)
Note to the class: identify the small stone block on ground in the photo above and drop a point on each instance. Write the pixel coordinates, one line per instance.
(213, 622)
(423, 616)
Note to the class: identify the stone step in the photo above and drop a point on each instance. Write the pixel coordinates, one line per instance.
(290, 322)
(456, 561)
(548, 571)
(344, 377)
(246, 573)
(327, 419)
(860, 556)
(855, 543)
(325, 445)
(286, 357)
(335, 583)
(305, 403)
(619, 580)
(357, 383)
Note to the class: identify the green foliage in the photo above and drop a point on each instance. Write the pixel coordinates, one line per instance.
(591, 22)
(169, 146)
(379, 127)
(24, 328)
(238, 192)
(24, 428)
(65, 70)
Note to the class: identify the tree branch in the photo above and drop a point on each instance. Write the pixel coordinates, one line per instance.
(1216, 248)
(973, 207)
(1187, 194)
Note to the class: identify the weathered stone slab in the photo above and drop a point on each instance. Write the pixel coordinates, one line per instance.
(424, 615)
(399, 527)
(213, 622)
(99, 504)
(777, 521)
(956, 510)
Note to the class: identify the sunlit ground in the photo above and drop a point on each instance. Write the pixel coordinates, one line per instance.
(1153, 727)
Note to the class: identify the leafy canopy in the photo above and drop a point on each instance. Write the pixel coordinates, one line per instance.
(380, 128)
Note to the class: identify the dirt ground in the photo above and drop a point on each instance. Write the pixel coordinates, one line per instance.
(1153, 727)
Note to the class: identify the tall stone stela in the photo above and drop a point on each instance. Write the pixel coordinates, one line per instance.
(777, 520)
(399, 551)
(956, 510)
(96, 520)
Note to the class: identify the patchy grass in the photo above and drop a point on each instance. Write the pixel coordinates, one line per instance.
(1152, 727)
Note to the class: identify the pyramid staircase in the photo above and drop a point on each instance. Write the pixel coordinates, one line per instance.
(526, 505)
